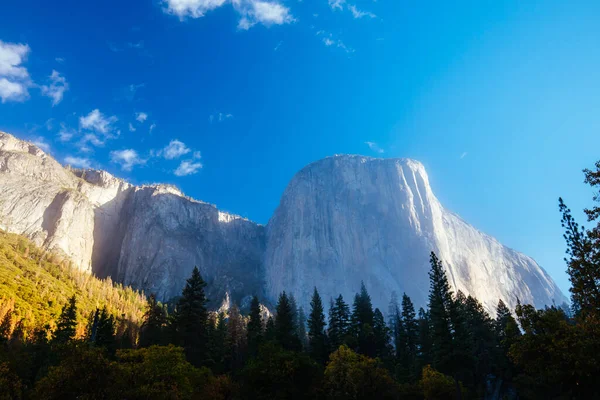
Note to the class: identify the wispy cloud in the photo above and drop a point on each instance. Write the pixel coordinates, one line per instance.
(356, 13)
(278, 45)
(131, 127)
(78, 162)
(251, 12)
(330, 41)
(375, 147)
(337, 4)
(65, 133)
(141, 117)
(152, 127)
(188, 167)
(127, 158)
(14, 78)
(220, 117)
(463, 155)
(98, 122)
(174, 149)
(59, 60)
(137, 45)
(57, 88)
(41, 143)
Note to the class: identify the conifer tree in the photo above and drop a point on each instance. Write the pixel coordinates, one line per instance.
(105, 331)
(67, 322)
(507, 333)
(440, 305)
(362, 322)
(190, 319)
(408, 341)
(382, 337)
(285, 331)
(583, 262)
(254, 328)
(339, 322)
(270, 334)
(301, 328)
(317, 339)
(155, 320)
(236, 338)
(424, 353)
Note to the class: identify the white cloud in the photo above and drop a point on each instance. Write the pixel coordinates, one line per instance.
(375, 147)
(152, 128)
(78, 162)
(141, 117)
(138, 45)
(251, 11)
(337, 4)
(188, 167)
(14, 78)
(197, 154)
(96, 121)
(90, 138)
(463, 155)
(356, 13)
(278, 45)
(41, 143)
(220, 117)
(329, 41)
(175, 149)
(191, 8)
(65, 134)
(57, 88)
(59, 60)
(264, 12)
(131, 127)
(127, 158)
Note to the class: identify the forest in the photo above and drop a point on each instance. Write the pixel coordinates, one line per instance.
(67, 336)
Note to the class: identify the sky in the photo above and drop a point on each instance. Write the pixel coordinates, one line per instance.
(228, 99)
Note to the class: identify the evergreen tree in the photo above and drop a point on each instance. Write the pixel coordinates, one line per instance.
(270, 333)
(217, 342)
(285, 331)
(155, 320)
(67, 322)
(583, 262)
(440, 304)
(408, 339)
(254, 328)
(317, 340)
(6, 327)
(382, 337)
(190, 319)
(105, 331)
(301, 328)
(507, 333)
(394, 318)
(424, 353)
(236, 339)
(339, 322)
(362, 323)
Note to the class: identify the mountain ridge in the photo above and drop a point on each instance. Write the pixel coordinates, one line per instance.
(150, 236)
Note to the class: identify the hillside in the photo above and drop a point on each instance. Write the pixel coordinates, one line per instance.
(34, 285)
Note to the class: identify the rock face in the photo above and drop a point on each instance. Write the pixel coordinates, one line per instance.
(150, 237)
(341, 220)
(350, 218)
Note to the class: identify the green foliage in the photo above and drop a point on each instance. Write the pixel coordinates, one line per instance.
(280, 374)
(285, 329)
(437, 386)
(190, 319)
(254, 328)
(352, 376)
(34, 285)
(317, 339)
(67, 322)
(152, 331)
(362, 323)
(339, 322)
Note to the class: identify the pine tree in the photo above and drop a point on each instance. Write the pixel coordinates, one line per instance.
(105, 332)
(362, 322)
(190, 319)
(583, 262)
(270, 333)
(285, 331)
(409, 333)
(440, 305)
(67, 322)
(339, 323)
(217, 343)
(254, 328)
(301, 328)
(382, 337)
(424, 353)
(236, 338)
(507, 333)
(317, 340)
(155, 320)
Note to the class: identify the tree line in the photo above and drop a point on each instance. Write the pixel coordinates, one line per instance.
(451, 349)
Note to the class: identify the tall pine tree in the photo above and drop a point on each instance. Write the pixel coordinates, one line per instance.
(285, 330)
(67, 322)
(362, 322)
(339, 323)
(317, 339)
(153, 325)
(254, 328)
(190, 319)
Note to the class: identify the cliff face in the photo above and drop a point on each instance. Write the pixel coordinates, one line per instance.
(350, 218)
(150, 237)
(341, 220)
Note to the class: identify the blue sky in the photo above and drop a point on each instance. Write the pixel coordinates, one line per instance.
(228, 99)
